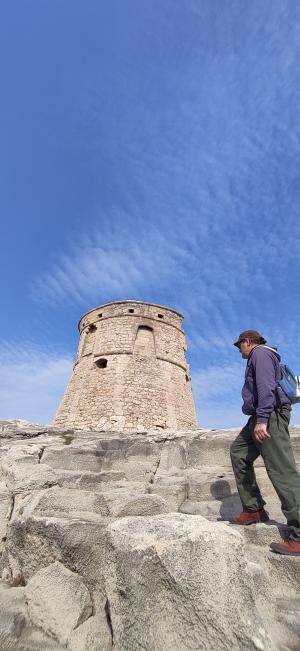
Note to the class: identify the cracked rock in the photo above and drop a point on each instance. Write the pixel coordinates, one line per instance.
(58, 601)
(180, 582)
(93, 635)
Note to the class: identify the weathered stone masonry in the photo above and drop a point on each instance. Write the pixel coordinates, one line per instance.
(130, 372)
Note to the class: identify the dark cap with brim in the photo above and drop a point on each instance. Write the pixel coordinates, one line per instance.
(253, 335)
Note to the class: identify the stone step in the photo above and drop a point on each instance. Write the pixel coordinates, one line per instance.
(219, 485)
(213, 449)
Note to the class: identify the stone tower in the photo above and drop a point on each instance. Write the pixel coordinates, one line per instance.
(130, 372)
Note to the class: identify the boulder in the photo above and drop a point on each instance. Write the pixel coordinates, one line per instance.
(36, 538)
(180, 582)
(22, 470)
(58, 601)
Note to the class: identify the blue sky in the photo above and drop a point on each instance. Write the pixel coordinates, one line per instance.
(150, 150)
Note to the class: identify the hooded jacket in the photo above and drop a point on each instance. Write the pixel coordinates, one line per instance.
(261, 393)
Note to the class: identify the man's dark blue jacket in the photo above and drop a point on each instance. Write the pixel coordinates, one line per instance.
(261, 393)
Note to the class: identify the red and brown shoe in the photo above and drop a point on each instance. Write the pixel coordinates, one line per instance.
(288, 547)
(250, 517)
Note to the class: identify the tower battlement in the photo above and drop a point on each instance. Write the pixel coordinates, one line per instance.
(130, 372)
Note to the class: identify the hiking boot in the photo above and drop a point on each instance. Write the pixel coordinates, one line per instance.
(288, 547)
(250, 517)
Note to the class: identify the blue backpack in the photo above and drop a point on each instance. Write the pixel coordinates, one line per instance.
(289, 383)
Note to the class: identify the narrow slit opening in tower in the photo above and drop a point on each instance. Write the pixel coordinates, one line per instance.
(92, 328)
(101, 363)
(131, 310)
(160, 316)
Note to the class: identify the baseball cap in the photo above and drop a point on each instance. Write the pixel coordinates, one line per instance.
(250, 334)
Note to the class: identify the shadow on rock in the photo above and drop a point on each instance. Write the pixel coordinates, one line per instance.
(231, 503)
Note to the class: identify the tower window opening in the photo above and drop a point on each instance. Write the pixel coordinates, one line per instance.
(144, 345)
(100, 315)
(160, 316)
(92, 328)
(131, 310)
(101, 363)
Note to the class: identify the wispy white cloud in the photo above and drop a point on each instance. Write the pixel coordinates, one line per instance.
(32, 382)
(138, 258)
(216, 283)
(108, 266)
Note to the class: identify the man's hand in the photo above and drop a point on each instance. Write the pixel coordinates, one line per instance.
(260, 432)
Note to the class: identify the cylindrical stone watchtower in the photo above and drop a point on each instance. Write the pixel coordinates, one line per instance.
(130, 372)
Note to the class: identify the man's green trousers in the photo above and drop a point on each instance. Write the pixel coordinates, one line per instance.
(280, 464)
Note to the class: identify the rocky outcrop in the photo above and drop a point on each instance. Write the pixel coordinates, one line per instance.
(57, 601)
(121, 541)
(175, 582)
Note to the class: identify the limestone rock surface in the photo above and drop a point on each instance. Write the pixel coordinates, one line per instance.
(93, 635)
(58, 601)
(180, 582)
(140, 522)
(17, 633)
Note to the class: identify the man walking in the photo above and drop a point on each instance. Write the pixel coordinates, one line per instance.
(266, 433)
